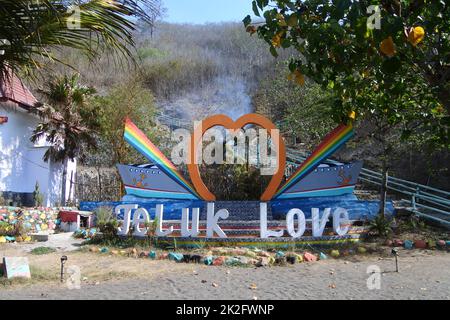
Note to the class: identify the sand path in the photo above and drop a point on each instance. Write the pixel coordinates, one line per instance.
(423, 275)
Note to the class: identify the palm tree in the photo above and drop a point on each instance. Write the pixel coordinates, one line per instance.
(68, 121)
(32, 30)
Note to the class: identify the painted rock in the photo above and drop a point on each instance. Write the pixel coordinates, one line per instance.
(10, 239)
(309, 257)
(291, 259)
(299, 258)
(441, 243)
(232, 261)
(398, 243)
(431, 244)
(362, 250)
(220, 252)
(208, 260)
(122, 252)
(251, 254)
(263, 262)
(238, 252)
(243, 260)
(281, 261)
(163, 256)
(420, 244)
(408, 244)
(2, 239)
(174, 256)
(104, 250)
(279, 254)
(114, 252)
(152, 255)
(388, 243)
(93, 249)
(447, 243)
(143, 254)
(323, 256)
(219, 261)
(263, 254)
(335, 253)
(252, 262)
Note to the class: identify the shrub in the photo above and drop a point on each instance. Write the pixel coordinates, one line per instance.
(37, 196)
(381, 225)
(106, 222)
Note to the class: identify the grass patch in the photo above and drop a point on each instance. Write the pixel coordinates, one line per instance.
(42, 250)
(37, 276)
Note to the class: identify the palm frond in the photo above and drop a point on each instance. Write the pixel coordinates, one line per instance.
(32, 30)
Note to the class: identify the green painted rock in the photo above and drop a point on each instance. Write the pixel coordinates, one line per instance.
(362, 250)
(335, 253)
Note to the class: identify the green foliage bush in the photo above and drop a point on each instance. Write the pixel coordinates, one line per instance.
(381, 225)
(106, 222)
(38, 197)
(42, 250)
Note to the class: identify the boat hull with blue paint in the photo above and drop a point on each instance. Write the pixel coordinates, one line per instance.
(327, 180)
(148, 181)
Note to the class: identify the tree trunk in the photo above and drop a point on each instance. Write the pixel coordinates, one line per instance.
(383, 189)
(99, 184)
(64, 183)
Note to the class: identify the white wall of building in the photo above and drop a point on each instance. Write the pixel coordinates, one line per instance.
(21, 163)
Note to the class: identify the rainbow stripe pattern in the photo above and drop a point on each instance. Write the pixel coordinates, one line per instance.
(142, 144)
(333, 141)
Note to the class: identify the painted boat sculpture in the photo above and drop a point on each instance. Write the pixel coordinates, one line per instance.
(313, 178)
(324, 181)
(148, 181)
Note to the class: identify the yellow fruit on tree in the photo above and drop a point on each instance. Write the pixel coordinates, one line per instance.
(387, 47)
(281, 20)
(298, 77)
(416, 35)
(276, 40)
(251, 29)
(352, 115)
(292, 21)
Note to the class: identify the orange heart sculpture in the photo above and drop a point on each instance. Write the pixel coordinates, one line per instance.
(228, 123)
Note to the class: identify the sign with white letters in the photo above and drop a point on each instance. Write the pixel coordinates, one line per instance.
(295, 222)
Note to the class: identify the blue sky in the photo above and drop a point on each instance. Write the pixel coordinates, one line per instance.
(203, 11)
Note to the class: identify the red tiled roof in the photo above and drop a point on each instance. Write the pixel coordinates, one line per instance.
(13, 89)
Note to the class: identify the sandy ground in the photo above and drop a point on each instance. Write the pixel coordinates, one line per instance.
(423, 275)
(60, 241)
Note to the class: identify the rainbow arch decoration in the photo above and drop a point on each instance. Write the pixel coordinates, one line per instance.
(333, 141)
(136, 138)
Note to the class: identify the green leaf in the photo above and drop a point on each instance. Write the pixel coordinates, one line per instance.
(247, 20)
(255, 9)
(274, 52)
